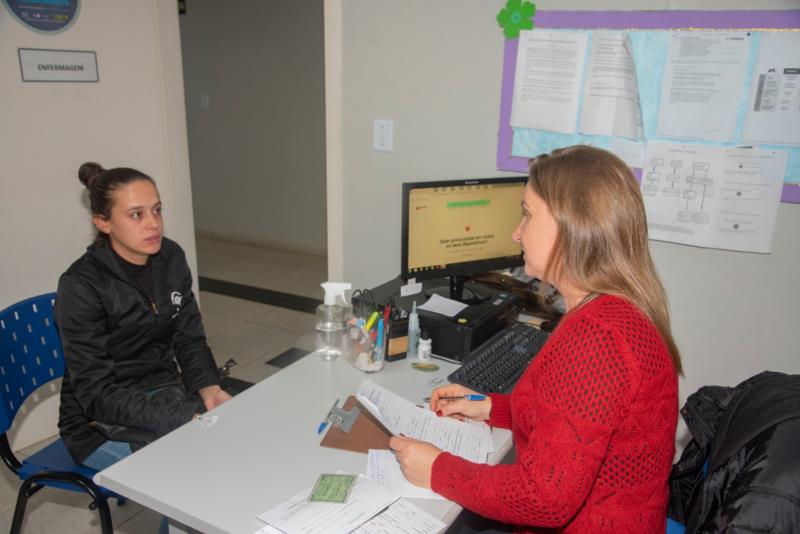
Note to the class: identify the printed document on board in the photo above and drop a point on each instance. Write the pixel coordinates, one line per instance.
(468, 439)
(703, 84)
(610, 93)
(548, 78)
(712, 197)
(773, 111)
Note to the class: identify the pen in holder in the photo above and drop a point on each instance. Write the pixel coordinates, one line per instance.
(367, 348)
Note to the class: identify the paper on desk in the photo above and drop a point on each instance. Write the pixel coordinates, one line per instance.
(402, 517)
(382, 467)
(300, 515)
(470, 440)
(445, 306)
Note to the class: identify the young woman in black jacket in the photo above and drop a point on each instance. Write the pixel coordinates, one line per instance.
(137, 362)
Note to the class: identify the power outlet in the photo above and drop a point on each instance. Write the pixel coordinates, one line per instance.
(383, 136)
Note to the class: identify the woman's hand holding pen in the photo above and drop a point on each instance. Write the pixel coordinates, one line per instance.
(460, 408)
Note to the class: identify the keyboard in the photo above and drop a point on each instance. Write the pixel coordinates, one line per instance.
(496, 365)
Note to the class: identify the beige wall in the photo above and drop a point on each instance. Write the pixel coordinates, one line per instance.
(258, 152)
(133, 117)
(434, 68)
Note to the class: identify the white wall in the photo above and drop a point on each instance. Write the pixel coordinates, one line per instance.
(258, 152)
(434, 68)
(133, 117)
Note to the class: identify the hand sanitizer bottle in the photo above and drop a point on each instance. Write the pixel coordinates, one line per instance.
(331, 320)
(413, 331)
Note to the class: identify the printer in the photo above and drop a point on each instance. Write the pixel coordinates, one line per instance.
(454, 338)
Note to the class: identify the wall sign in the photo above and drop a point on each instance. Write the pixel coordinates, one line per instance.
(39, 65)
(47, 16)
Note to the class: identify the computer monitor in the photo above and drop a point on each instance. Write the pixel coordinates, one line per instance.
(459, 228)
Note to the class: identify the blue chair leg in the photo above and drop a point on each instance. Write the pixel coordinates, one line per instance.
(30, 486)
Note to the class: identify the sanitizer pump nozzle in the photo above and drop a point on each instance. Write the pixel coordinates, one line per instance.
(331, 314)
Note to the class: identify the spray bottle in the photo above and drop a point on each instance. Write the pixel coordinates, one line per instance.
(332, 316)
(413, 331)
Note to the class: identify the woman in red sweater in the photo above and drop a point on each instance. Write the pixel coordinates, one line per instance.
(593, 417)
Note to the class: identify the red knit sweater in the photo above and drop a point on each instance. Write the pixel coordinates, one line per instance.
(593, 419)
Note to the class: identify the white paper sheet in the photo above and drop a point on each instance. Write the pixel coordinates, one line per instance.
(402, 517)
(773, 111)
(631, 152)
(445, 306)
(712, 196)
(703, 84)
(468, 439)
(299, 515)
(610, 94)
(547, 82)
(383, 468)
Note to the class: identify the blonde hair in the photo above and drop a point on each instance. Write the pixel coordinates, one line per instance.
(601, 245)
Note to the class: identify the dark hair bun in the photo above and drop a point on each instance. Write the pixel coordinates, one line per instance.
(89, 173)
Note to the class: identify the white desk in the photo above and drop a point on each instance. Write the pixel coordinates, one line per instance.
(263, 449)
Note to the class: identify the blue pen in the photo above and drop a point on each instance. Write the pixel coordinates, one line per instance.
(324, 423)
(377, 352)
(472, 397)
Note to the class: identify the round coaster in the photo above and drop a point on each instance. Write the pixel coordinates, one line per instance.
(425, 366)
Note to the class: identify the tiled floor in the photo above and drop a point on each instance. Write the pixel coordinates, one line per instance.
(250, 332)
(279, 270)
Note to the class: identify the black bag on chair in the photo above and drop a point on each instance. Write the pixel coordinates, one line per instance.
(741, 472)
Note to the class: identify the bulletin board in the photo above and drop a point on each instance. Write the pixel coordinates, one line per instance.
(757, 21)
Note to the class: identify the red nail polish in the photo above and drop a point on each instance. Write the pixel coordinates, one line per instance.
(439, 413)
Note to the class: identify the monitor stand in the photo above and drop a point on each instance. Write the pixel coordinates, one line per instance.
(456, 291)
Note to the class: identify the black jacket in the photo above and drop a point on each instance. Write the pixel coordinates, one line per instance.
(119, 347)
(749, 437)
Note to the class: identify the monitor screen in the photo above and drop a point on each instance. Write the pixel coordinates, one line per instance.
(460, 227)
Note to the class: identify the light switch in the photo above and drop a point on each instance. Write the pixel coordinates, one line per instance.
(205, 102)
(383, 136)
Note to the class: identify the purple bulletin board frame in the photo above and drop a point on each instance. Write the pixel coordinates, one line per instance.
(639, 20)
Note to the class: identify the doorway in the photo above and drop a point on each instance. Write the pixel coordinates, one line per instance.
(254, 84)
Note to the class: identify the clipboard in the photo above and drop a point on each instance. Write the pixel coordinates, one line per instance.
(367, 433)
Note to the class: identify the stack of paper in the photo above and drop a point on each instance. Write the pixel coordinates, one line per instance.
(370, 509)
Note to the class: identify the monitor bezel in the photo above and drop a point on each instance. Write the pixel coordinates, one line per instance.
(466, 268)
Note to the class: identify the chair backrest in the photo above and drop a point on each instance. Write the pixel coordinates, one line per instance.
(30, 353)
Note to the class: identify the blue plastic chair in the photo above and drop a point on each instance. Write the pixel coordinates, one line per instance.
(30, 357)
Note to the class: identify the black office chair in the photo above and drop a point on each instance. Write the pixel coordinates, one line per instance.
(30, 357)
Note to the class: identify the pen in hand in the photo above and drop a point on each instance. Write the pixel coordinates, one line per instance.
(473, 397)
(324, 423)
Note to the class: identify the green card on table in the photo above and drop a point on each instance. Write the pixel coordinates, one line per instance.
(332, 488)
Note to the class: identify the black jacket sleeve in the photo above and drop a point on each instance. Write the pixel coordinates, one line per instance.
(82, 320)
(193, 354)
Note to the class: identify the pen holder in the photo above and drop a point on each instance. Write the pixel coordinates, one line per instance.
(364, 351)
(397, 334)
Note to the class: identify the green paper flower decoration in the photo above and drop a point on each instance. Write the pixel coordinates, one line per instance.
(516, 16)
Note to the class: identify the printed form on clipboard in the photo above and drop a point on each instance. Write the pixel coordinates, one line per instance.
(470, 440)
